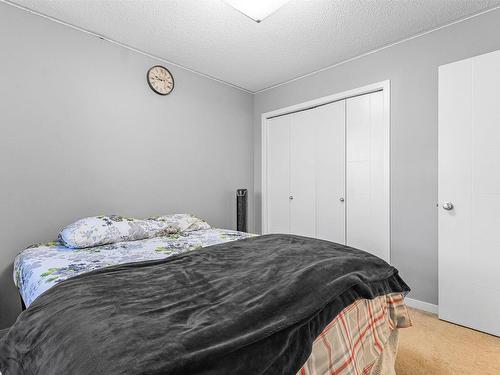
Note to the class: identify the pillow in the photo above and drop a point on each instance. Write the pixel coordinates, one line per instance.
(102, 230)
(183, 222)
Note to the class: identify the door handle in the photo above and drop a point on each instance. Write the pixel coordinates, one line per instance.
(448, 206)
(341, 199)
(290, 197)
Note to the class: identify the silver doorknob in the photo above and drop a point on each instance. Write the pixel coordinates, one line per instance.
(290, 197)
(448, 206)
(341, 199)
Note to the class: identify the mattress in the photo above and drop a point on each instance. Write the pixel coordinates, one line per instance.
(42, 266)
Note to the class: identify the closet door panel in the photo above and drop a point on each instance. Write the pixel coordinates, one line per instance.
(303, 173)
(367, 174)
(330, 172)
(357, 173)
(379, 176)
(278, 175)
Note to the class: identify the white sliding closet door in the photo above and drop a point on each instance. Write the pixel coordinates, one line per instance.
(278, 175)
(303, 173)
(317, 177)
(469, 193)
(306, 173)
(330, 172)
(327, 173)
(367, 174)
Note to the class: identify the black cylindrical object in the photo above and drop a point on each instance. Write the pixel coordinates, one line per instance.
(241, 209)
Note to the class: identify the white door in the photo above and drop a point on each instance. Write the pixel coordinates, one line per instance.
(306, 173)
(303, 173)
(367, 175)
(330, 172)
(469, 193)
(278, 175)
(317, 177)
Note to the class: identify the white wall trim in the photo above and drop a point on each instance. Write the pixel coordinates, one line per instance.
(91, 33)
(379, 86)
(421, 305)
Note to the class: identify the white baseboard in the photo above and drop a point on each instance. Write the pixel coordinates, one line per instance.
(425, 306)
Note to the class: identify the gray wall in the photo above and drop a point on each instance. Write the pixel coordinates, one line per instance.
(412, 68)
(81, 133)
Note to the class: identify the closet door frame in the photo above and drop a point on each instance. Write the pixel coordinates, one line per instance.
(384, 86)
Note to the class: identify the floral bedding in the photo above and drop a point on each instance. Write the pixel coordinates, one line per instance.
(42, 266)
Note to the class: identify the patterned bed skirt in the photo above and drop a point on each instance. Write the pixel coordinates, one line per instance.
(362, 339)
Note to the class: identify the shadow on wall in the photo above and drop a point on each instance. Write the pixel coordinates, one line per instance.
(8, 292)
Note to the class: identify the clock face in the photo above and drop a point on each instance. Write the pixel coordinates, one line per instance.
(160, 80)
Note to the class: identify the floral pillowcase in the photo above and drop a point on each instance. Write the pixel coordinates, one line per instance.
(102, 230)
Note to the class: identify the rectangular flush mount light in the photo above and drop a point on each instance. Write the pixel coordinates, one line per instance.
(257, 9)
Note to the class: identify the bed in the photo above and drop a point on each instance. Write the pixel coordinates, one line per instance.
(357, 336)
(44, 265)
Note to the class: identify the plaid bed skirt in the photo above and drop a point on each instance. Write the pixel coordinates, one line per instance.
(355, 339)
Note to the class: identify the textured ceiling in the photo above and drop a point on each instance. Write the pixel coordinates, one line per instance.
(211, 37)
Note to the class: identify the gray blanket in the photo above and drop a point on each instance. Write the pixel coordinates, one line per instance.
(252, 306)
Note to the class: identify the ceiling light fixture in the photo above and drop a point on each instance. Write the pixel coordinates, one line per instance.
(257, 10)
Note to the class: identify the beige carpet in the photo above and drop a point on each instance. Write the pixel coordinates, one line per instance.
(433, 346)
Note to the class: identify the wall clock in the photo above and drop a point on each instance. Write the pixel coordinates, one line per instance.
(160, 80)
